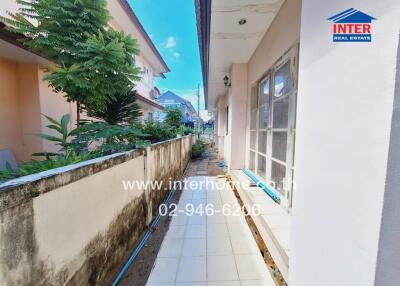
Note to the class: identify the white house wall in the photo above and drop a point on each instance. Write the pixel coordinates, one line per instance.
(344, 113)
(283, 33)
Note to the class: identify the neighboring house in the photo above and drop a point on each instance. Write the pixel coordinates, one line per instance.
(171, 100)
(149, 60)
(316, 122)
(24, 96)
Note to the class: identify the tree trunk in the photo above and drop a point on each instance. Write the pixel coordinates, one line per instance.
(78, 113)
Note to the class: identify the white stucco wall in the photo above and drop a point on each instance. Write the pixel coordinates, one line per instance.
(237, 115)
(93, 202)
(344, 112)
(283, 33)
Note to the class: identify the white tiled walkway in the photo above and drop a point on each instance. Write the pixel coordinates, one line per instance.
(206, 250)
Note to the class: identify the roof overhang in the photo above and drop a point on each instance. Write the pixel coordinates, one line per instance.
(123, 18)
(146, 103)
(222, 41)
(203, 15)
(11, 48)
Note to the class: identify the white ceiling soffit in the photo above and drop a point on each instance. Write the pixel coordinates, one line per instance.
(19, 54)
(234, 43)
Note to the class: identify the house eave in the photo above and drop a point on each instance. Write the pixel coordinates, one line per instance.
(150, 102)
(128, 9)
(203, 17)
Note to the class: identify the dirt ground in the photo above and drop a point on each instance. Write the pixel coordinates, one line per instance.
(140, 270)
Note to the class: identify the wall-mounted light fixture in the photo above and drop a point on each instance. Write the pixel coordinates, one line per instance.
(227, 81)
(242, 21)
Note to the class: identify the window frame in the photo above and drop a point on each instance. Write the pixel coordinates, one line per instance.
(291, 57)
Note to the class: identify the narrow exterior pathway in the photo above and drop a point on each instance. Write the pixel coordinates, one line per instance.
(208, 249)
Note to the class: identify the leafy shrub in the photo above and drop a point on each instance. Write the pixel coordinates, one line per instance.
(34, 166)
(75, 145)
(105, 139)
(198, 149)
(63, 139)
(173, 117)
(184, 130)
(156, 131)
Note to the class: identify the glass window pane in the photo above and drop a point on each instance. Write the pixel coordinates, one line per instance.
(283, 80)
(253, 119)
(262, 142)
(253, 136)
(279, 142)
(261, 166)
(264, 96)
(264, 116)
(253, 97)
(278, 173)
(281, 113)
(252, 161)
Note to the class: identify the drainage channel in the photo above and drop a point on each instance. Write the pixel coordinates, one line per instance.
(276, 274)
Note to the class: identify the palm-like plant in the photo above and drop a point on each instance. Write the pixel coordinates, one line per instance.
(63, 139)
(123, 109)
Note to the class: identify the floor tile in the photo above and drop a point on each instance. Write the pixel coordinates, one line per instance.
(197, 219)
(238, 229)
(217, 230)
(196, 231)
(175, 232)
(216, 250)
(199, 202)
(194, 247)
(216, 218)
(192, 269)
(191, 284)
(180, 219)
(268, 282)
(221, 268)
(164, 270)
(219, 246)
(252, 267)
(244, 245)
(171, 248)
(199, 195)
(224, 283)
(234, 218)
(214, 199)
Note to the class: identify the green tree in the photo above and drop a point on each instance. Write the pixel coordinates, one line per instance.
(94, 64)
(173, 117)
(121, 110)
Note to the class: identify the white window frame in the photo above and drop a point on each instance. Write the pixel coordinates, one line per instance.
(290, 56)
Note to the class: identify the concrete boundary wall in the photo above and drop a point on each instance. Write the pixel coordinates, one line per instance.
(78, 224)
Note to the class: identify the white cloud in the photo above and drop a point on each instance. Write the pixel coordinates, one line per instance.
(171, 42)
(176, 55)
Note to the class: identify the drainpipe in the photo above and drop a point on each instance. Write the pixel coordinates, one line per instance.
(141, 244)
(262, 185)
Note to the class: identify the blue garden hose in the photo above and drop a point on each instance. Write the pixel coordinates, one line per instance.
(263, 186)
(138, 248)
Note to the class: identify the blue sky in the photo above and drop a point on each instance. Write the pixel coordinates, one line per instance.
(171, 25)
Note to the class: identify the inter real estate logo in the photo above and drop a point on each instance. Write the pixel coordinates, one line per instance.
(352, 26)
